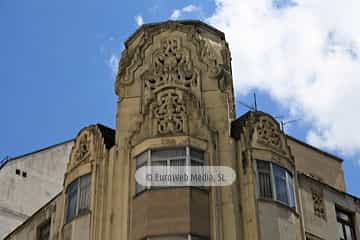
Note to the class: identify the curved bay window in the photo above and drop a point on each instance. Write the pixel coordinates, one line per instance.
(78, 197)
(275, 182)
(171, 157)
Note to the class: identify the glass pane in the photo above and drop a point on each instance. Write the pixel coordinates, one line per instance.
(279, 171)
(141, 159)
(196, 154)
(177, 167)
(263, 166)
(348, 232)
(85, 187)
(71, 201)
(168, 153)
(265, 187)
(291, 190)
(159, 163)
(177, 162)
(280, 184)
(344, 216)
(196, 163)
(341, 231)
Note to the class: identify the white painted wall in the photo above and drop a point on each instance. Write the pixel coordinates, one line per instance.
(20, 196)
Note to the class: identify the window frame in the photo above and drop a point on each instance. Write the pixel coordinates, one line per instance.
(349, 223)
(78, 193)
(291, 200)
(148, 162)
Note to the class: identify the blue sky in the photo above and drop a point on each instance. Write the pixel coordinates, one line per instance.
(57, 66)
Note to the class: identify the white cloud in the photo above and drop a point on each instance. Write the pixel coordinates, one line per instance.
(306, 55)
(139, 20)
(113, 63)
(190, 8)
(177, 13)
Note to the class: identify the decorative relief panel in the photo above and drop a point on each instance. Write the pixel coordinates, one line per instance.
(208, 55)
(170, 112)
(82, 152)
(318, 202)
(217, 63)
(169, 61)
(269, 133)
(171, 67)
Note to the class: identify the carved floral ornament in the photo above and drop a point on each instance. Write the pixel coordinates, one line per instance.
(319, 205)
(269, 133)
(82, 151)
(171, 90)
(171, 67)
(169, 78)
(170, 112)
(217, 60)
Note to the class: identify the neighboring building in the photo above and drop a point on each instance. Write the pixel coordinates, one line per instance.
(175, 108)
(28, 182)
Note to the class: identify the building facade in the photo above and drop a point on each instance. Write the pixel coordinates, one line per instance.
(28, 182)
(176, 108)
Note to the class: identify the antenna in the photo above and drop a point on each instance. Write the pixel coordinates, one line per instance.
(284, 123)
(254, 105)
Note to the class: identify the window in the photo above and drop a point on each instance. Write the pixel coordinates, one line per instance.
(264, 173)
(78, 197)
(275, 182)
(345, 225)
(177, 237)
(44, 231)
(183, 156)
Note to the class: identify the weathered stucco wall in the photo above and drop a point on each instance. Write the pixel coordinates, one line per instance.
(326, 227)
(323, 166)
(278, 222)
(21, 195)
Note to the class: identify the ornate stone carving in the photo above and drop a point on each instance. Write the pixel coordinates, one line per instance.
(318, 201)
(82, 151)
(268, 133)
(127, 59)
(207, 54)
(171, 66)
(170, 112)
(218, 63)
